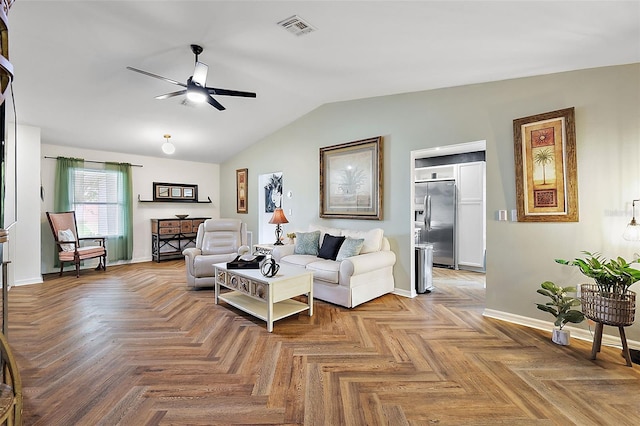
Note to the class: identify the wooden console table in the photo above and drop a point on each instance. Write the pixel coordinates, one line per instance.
(170, 236)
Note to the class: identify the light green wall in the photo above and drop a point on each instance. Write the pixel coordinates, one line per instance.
(519, 255)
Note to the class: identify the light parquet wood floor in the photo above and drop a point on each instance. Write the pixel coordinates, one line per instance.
(133, 346)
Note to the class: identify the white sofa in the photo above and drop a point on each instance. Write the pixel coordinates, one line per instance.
(218, 240)
(353, 280)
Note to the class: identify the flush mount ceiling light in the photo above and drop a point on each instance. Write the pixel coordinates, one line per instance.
(167, 147)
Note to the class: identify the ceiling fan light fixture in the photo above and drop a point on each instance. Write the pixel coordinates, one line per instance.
(168, 147)
(194, 94)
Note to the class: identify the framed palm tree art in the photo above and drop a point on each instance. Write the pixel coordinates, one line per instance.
(546, 167)
(351, 180)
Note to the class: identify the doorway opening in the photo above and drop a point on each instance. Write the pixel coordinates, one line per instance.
(452, 233)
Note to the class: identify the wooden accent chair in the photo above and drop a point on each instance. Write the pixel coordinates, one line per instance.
(65, 233)
(10, 387)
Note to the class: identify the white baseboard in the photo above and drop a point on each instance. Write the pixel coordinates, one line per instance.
(27, 281)
(578, 333)
(404, 293)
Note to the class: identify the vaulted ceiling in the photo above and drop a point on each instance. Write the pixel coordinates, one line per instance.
(70, 60)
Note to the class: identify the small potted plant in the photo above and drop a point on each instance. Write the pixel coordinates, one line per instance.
(560, 307)
(292, 237)
(608, 301)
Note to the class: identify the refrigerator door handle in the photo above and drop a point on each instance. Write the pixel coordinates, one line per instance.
(427, 216)
(424, 215)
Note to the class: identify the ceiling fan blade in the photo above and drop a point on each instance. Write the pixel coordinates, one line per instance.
(171, 95)
(215, 103)
(227, 92)
(200, 74)
(157, 76)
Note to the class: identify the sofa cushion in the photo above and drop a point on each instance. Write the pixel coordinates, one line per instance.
(350, 247)
(325, 270)
(299, 259)
(330, 246)
(372, 239)
(307, 243)
(325, 230)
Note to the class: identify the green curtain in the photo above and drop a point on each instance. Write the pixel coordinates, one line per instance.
(121, 248)
(63, 190)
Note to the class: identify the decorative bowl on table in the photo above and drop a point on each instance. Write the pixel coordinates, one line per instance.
(182, 216)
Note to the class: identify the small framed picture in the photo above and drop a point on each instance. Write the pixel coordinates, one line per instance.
(241, 190)
(176, 192)
(162, 191)
(180, 192)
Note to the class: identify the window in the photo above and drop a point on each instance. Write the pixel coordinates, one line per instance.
(98, 201)
(101, 196)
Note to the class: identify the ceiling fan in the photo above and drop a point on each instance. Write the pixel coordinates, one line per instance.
(195, 88)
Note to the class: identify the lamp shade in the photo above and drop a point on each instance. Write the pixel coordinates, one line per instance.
(278, 217)
(632, 232)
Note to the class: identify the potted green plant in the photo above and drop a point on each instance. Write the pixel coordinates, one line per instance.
(560, 306)
(292, 237)
(609, 301)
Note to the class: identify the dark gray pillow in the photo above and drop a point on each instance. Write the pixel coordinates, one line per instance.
(330, 246)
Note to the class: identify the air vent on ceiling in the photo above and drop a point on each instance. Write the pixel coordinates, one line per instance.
(296, 25)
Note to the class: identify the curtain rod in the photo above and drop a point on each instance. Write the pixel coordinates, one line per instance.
(92, 161)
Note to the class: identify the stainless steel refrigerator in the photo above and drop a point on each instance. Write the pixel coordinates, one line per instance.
(435, 219)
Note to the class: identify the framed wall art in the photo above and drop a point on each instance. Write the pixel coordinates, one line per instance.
(163, 191)
(241, 190)
(546, 167)
(351, 180)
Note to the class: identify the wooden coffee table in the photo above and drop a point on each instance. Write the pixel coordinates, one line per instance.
(266, 298)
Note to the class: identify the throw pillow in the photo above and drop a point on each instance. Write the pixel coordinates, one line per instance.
(330, 246)
(350, 247)
(372, 238)
(307, 243)
(66, 235)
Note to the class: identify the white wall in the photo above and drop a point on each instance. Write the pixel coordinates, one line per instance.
(205, 175)
(519, 255)
(20, 249)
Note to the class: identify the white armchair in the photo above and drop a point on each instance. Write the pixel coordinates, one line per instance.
(218, 240)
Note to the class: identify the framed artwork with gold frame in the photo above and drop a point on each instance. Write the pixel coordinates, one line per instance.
(546, 167)
(351, 180)
(241, 190)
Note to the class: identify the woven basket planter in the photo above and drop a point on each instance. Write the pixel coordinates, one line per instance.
(608, 308)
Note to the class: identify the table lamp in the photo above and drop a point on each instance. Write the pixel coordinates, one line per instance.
(278, 219)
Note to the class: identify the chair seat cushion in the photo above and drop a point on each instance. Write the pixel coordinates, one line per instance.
(84, 253)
